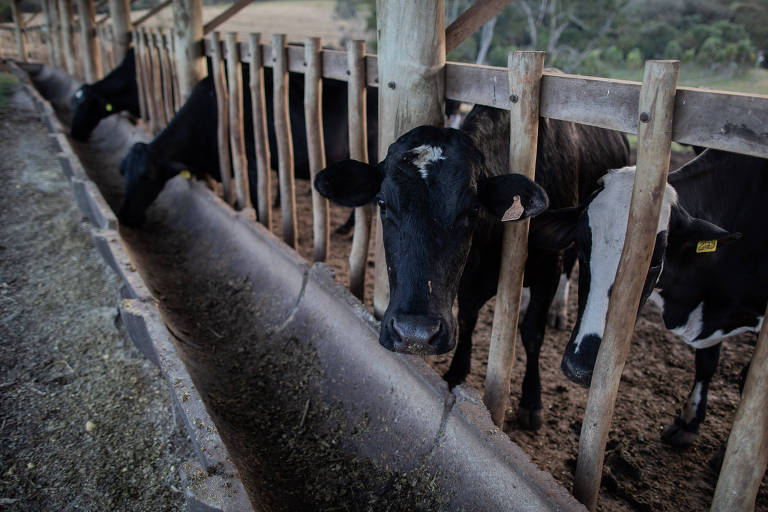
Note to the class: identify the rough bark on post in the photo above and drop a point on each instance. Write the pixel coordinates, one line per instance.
(222, 129)
(18, 29)
(65, 19)
(53, 11)
(120, 12)
(261, 143)
(358, 150)
(284, 140)
(411, 87)
(654, 140)
(89, 44)
(313, 113)
(746, 455)
(236, 136)
(524, 70)
(188, 32)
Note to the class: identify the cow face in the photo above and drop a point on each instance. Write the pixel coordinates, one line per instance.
(432, 192)
(88, 109)
(598, 229)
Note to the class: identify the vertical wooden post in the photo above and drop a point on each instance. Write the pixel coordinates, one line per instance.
(284, 140)
(222, 128)
(313, 113)
(177, 102)
(188, 30)
(120, 12)
(89, 45)
(411, 87)
(261, 143)
(746, 455)
(49, 29)
(65, 18)
(358, 150)
(53, 10)
(524, 71)
(236, 136)
(155, 64)
(654, 139)
(165, 72)
(18, 28)
(142, 54)
(140, 79)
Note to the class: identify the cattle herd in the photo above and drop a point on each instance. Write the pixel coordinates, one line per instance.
(443, 194)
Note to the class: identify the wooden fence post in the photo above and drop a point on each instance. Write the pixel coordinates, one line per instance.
(654, 140)
(53, 11)
(313, 114)
(524, 71)
(49, 32)
(222, 128)
(261, 143)
(358, 150)
(236, 135)
(166, 74)
(65, 18)
(284, 141)
(156, 67)
(188, 31)
(89, 45)
(411, 87)
(140, 80)
(142, 54)
(120, 12)
(18, 28)
(746, 455)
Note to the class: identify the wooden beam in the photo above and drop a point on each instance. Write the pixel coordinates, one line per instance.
(156, 9)
(65, 18)
(50, 33)
(53, 10)
(225, 15)
(120, 12)
(313, 113)
(654, 143)
(89, 44)
(477, 15)
(188, 32)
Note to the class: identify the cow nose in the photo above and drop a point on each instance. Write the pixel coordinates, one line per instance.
(418, 334)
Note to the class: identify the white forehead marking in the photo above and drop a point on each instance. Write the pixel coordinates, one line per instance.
(608, 214)
(79, 93)
(425, 155)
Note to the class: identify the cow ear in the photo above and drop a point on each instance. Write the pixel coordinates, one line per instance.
(512, 196)
(555, 230)
(349, 183)
(704, 236)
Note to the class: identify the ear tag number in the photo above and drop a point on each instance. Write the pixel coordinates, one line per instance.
(109, 107)
(706, 246)
(185, 174)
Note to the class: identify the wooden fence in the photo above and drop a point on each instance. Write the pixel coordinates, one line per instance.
(656, 110)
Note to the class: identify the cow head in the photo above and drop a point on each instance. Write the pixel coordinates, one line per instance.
(598, 229)
(144, 175)
(88, 108)
(432, 191)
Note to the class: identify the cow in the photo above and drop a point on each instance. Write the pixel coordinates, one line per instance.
(706, 272)
(114, 93)
(442, 194)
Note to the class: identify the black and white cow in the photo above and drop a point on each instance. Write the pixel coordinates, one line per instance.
(442, 193)
(708, 286)
(114, 93)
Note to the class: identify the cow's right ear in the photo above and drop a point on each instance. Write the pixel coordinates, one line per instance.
(349, 183)
(555, 230)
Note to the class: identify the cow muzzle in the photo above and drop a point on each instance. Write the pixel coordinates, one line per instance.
(416, 334)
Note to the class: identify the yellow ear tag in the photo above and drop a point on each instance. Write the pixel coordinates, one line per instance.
(706, 246)
(186, 174)
(109, 107)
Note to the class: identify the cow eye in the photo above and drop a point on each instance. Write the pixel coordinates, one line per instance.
(382, 206)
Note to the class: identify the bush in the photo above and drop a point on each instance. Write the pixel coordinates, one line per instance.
(673, 50)
(635, 59)
(613, 55)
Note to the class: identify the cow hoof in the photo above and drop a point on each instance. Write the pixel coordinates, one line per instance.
(529, 419)
(677, 436)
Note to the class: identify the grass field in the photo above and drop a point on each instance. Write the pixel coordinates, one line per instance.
(754, 81)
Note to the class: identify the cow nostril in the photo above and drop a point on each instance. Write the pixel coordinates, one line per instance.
(417, 330)
(435, 339)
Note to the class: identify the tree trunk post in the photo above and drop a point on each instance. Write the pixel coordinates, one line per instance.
(89, 44)
(120, 12)
(53, 11)
(18, 29)
(65, 18)
(313, 113)
(236, 136)
(222, 128)
(188, 32)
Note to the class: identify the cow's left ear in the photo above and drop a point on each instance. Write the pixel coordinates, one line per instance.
(703, 235)
(512, 196)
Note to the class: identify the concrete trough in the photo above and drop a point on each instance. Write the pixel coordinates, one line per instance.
(403, 416)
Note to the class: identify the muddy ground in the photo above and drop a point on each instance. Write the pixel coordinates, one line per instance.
(87, 423)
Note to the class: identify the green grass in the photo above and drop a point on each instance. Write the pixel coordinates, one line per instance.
(754, 81)
(6, 86)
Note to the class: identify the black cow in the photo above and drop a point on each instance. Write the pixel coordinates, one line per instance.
(441, 193)
(708, 288)
(114, 93)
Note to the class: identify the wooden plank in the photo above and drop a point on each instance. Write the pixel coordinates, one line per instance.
(140, 80)
(746, 455)
(284, 140)
(222, 128)
(102, 37)
(358, 150)
(236, 136)
(261, 142)
(53, 9)
(156, 79)
(65, 17)
(50, 32)
(156, 9)
(89, 45)
(654, 142)
(165, 74)
(525, 70)
(313, 114)
(188, 31)
(174, 70)
(225, 15)
(120, 12)
(477, 15)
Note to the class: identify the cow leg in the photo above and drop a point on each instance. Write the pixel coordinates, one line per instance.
(544, 270)
(462, 357)
(685, 428)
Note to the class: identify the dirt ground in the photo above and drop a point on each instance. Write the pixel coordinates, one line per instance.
(87, 422)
